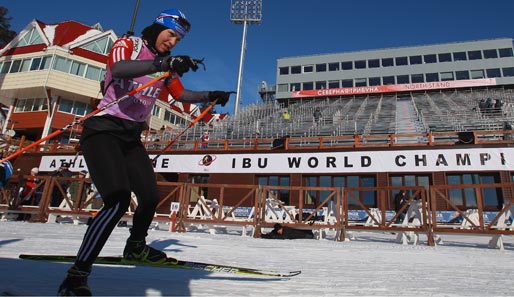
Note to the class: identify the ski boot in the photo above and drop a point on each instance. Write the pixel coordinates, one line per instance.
(136, 251)
(75, 283)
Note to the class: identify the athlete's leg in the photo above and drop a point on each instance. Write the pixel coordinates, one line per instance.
(144, 185)
(105, 158)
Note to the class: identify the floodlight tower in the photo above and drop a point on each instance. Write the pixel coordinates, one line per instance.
(244, 12)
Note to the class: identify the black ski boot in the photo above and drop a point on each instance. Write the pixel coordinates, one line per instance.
(75, 283)
(136, 251)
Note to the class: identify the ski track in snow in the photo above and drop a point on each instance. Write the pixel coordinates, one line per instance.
(371, 265)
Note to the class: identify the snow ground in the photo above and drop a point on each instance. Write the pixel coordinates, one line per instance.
(371, 265)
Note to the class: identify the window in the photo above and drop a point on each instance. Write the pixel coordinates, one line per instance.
(459, 56)
(296, 69)
(62, 64)
(25, 65)
(199, 190)
(320, 85)
(477, 74)
(314, 197)
(321, 67)
(45, 63)
(169, 117)
(402, 79)
(493, 72)
(333, 84)
(5, 67)
(446, 76)
(65, 105)
(156, 110)
(414, 60)
(94, 73)
(387, 62)
(274, 180)
(475, 55)
(408, 181)
(15, 67)
(467, 197)
(74, 107)
(445, 57)
(308, 68)
(35, 63)
(26, 105)
(360, 82)
(400, 61)
(461, 75)
(431, 77)
(347, 83)
(79, 108)
(508, 71)
(430, 58)
(388, 80)
(101, 46)
(347, 65)
(333, 66)
(490, 54)
(375, 63)
(308, 85)
(361, 64)
(417, 78)
(78, 68)
(282, 88)
(283, 70)
(374, 81)
(505, 52)
(32, 37)
(294, 87)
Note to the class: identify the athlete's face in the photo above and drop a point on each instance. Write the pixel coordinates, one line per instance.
(166, 40)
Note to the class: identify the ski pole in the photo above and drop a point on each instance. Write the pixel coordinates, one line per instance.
(82, 119)
(187, 128)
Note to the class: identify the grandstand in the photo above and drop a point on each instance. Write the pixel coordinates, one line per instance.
(411, 113)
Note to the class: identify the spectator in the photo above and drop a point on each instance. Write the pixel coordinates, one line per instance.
(61, 172)
(286, 116)
(399, 200)
(74, 189)
(284, 232)
(229, 132)
(6, 171)
(317, 115)
(204, 140)
(28, 196)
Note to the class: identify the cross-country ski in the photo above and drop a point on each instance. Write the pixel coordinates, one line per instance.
(170, 263)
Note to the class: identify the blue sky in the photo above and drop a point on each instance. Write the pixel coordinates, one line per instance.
(289, 28)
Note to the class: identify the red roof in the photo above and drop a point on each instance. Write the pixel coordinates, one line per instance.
(62, 34)
(65, 32)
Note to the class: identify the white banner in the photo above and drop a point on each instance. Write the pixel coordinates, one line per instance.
(478, 159)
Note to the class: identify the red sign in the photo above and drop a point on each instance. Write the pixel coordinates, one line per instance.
(396, 88)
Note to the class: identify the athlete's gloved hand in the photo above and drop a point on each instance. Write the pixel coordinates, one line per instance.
(177, 64)
(222, 97)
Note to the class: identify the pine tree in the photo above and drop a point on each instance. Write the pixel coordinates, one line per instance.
(6, 34)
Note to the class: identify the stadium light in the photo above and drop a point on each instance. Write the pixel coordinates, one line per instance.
(244, 12)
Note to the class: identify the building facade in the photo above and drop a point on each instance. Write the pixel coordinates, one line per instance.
(442, 66)
(50, 76)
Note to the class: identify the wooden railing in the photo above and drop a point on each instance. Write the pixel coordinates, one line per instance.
(301, 143)
(429, 210)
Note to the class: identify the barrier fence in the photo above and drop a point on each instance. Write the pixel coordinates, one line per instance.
(431, 211)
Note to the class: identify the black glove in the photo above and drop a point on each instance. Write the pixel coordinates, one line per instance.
(222, 97)
(177, 64)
